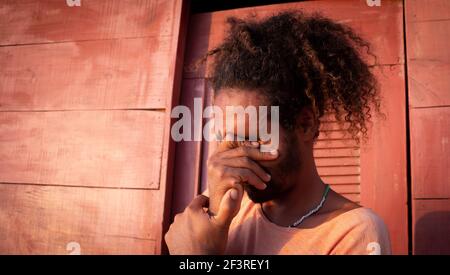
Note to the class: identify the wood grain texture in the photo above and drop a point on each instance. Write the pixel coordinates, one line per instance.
(188, 153)
(430, 151)
(46, 21)
(431, 227)
(44, 219)
(181, 13)
(98, 148)
(383, 158)
(78, 89)
(346, 188)
(338, 161)
(112, 74)
(381, 26)
(427, 31)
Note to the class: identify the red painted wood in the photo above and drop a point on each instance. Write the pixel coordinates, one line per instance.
(332, 152)
(110, 74)
(336, 144)
(347, 188)
(46, 21)
(383, 159)
(56, 63)
(339, 161)
(428, 27)
(430, 151)
(208, 148)
(431, 220)
(45, 219)
(339, 171)
(188, 153)
(179, 30)
(382, 26)
(97, 148)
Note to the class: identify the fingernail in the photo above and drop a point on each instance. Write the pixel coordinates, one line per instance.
(268, 177)
(255, 143)
(234, 194)
(264, 186)
(274, 152)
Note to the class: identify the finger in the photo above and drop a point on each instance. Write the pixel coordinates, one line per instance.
(229, 206)
(220, 190)
(226, 145)
(246, 162)
(245, 175)
(199, 202)
(251, 152)
(230, 142)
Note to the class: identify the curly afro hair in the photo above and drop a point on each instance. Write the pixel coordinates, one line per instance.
(299, 60)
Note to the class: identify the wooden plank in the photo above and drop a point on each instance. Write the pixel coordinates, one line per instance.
(327, 125)
(44, 21)
(431, 227)
(112, 74)
(45, 219)
(181, 13)
(383, 158)
(188, 153)
(430, 152)
(381, 26)
(339, 171)
(339, 161)
(427, 10)
(355, 179)
(427, 29)
(336, 144)
(346, 188)
(345, 152)
(80, 148)
(334, 135)
(208, 148)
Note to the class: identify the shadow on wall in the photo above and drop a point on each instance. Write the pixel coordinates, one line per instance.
(432, 234)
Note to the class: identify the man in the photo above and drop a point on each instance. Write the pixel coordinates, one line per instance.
(275, 202)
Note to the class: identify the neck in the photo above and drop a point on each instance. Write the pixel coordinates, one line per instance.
(305, 194)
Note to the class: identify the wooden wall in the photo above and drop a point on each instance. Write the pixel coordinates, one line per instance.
(85, 94)
(428, 63)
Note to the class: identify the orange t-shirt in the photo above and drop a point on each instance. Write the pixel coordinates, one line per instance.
(358, 231)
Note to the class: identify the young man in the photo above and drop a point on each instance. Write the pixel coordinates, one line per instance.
(275, 202)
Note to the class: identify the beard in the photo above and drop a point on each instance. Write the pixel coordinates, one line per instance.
(273, 191)
(289, 161)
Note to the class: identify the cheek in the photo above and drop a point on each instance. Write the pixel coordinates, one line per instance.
(284, 153)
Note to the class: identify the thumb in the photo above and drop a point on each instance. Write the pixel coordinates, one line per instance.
(230, 205)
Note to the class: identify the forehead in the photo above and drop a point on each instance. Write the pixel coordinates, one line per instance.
(240, 97)
(244, 98)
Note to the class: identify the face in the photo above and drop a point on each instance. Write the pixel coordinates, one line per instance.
(289, 149)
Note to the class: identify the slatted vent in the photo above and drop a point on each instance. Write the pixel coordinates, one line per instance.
(337, 157)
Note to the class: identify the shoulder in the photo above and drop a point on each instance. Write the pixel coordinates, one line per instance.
(362, 232)
(363, 218)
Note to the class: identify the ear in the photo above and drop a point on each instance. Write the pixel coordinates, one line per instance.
(307, 124)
